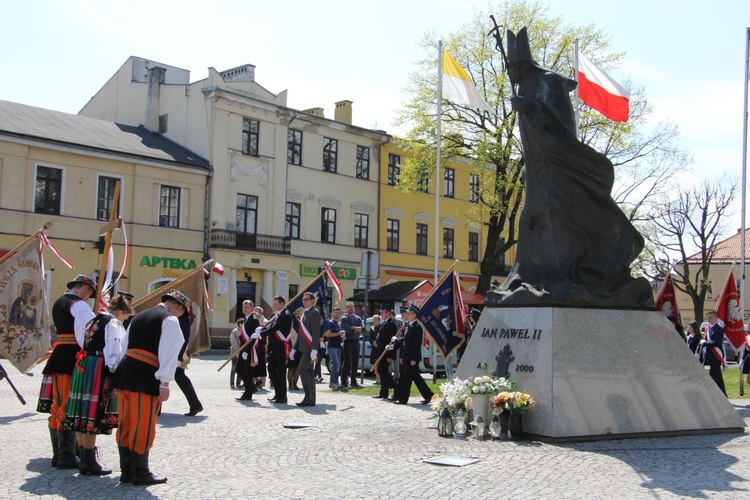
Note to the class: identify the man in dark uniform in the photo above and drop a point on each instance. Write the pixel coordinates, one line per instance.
(248, 370)
(714, 345)
(410, 357)
(307, 347)
(388, 330)
(278, 331)
(180, 377)
(142, 381)
(70, 313)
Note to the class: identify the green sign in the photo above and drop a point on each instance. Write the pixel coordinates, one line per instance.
(342, 273)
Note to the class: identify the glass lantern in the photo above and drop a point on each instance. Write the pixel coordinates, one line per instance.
(459, 428)
(445, 423)
(495, 427)
(479, 428)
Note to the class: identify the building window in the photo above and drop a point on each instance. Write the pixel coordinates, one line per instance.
(328, 225)
(294, 148)
(361, 223)
(474, 188)
(450, 182)
(421, 239)
(163, 122)
(247, 213)
(330, 152)
(363, 162)
(291, 227)
(250, 136)
(473, 247)
(394, 169)
(105, 194)
(447, 243)
(48, 191)
(169, 207)
(293, 290)
(392, 231)
(423, 182)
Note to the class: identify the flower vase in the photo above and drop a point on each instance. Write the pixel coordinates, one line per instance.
(515, 425)
(504, 417)
(481, 407)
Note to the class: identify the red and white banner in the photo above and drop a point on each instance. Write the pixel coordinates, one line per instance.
(600, 92)
(666, 300)
(218, 269)
(334, 281)
(729, 310)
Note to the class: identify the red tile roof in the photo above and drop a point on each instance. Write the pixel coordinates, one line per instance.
(728, 251)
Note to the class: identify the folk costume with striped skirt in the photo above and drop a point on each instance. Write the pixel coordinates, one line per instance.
(90, 408)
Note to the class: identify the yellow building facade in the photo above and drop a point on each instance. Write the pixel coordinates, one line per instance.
(62, 168)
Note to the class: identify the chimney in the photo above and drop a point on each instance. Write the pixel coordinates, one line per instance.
(343, 112)
(314, 111)
(155, 79)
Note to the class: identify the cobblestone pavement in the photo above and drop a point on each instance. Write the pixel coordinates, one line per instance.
(358, 447)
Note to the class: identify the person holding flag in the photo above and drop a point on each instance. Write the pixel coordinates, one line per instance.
(306, 347)
(278, 331)
(410, 357)
(714, 344)
(70, 313)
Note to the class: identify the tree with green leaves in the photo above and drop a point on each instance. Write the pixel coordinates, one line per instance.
(644, 159)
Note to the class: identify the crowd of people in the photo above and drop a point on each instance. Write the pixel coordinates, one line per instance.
(707, 344)
(113, 370)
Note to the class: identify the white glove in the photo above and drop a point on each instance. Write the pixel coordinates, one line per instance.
(393, 339)
(389, 348)
(256, 335)
(291, 354)
(313, 354)
(244, 355)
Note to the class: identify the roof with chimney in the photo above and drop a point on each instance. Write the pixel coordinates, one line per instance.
(727, 251)
(29, 122)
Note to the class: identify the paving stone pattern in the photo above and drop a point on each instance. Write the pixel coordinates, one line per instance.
(358, 447)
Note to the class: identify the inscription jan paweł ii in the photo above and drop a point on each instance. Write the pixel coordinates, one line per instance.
(512, 333)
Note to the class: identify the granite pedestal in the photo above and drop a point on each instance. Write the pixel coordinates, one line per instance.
(599, 374)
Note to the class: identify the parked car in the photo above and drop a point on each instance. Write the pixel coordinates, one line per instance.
(732, 354)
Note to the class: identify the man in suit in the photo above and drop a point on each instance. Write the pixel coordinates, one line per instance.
(388, 330)
(306, 347)
(410, 357)
(714, 344)
(278, 330)
(248, 370)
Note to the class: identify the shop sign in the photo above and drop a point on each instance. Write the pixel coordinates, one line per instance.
(342, 273)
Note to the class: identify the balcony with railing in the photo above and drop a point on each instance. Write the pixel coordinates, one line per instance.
(237, 240)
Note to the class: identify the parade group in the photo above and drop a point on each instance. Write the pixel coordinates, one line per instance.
(113, 370)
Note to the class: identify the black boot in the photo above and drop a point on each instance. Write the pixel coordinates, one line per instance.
(125, 471)
(89, 465)
(66, 458)
(55, 447)
(140, 472)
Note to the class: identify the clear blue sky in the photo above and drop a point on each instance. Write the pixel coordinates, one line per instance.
(689, 55)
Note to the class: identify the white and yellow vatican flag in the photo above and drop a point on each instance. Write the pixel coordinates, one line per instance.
(457, 85)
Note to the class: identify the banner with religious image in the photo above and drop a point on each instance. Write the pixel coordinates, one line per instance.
(24, 320)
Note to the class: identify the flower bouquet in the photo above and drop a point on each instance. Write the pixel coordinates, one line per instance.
(513, 402)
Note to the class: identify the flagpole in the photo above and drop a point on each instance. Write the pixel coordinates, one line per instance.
(744, 174)
(576, 106)
(15, 249)
(437, 161)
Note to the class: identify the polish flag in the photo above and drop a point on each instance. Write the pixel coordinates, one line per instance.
(600, 92)
(729, 310)
(218, 269)
(666, 299)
